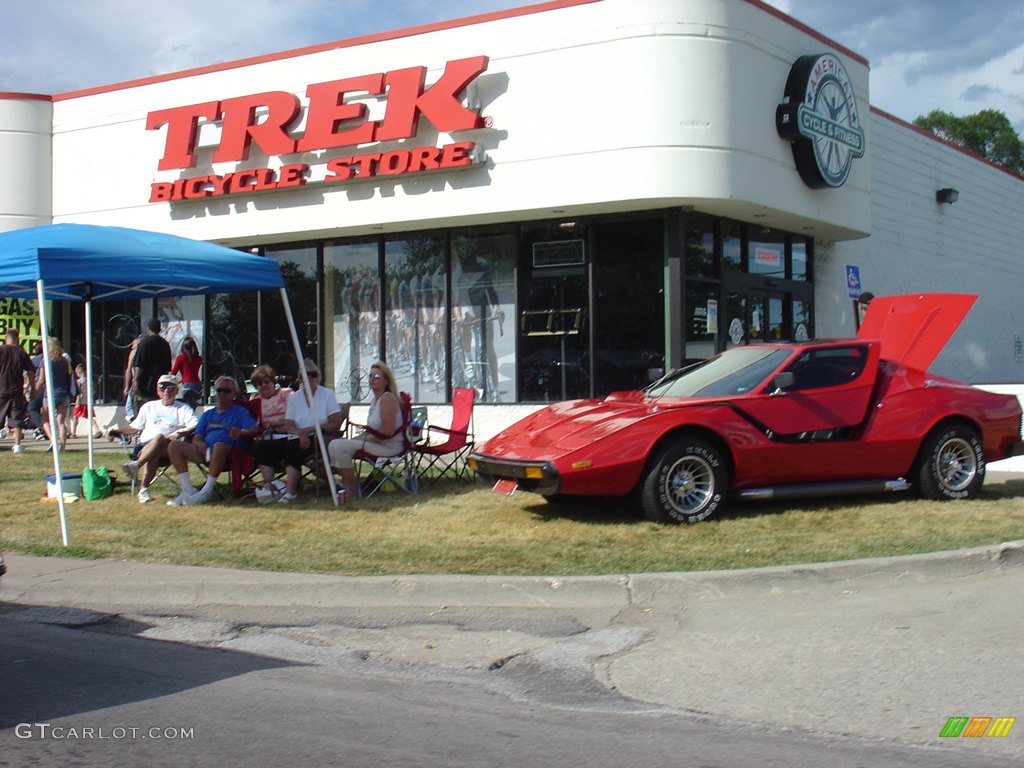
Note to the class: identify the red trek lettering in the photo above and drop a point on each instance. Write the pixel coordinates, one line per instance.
(327, 110)
(330, 121)
(240, 126)
(182, 129)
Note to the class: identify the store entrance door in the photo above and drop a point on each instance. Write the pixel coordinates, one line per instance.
(554, 334)
(755, 316)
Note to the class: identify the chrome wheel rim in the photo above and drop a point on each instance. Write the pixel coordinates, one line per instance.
(957, 464)
(690, 484)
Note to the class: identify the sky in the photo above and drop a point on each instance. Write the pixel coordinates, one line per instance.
(955, 55)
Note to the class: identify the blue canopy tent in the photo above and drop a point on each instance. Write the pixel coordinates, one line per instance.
(86, 263)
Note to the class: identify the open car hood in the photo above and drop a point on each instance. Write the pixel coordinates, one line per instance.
(913, 329)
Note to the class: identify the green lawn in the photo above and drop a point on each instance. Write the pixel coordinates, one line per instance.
(455, 528)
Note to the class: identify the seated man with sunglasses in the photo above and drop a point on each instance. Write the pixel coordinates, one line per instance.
(160, 423)
(299, 437)
(219, 429)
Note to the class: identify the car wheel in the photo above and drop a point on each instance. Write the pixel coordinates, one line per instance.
(952, 464)
(685, 482)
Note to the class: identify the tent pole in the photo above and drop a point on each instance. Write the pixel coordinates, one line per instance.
(308, 393)
(88, 374)
(54, 433)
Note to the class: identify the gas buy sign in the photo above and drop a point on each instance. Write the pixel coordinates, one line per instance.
(269, 120)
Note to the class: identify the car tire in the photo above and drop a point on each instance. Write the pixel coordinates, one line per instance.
(685, 482)
(951, 464)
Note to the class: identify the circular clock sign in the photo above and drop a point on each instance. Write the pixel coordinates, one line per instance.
(819, 115)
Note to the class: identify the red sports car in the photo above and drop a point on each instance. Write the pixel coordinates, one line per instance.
(770, 421)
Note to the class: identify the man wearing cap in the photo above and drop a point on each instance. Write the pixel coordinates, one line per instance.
(160, 422)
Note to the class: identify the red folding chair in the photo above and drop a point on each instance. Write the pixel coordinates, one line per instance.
(448, 458)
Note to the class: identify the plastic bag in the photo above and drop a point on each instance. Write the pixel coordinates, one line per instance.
(96, 483)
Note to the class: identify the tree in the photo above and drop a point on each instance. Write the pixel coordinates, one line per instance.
(988, 133)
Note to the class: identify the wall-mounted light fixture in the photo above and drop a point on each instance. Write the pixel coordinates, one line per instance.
(947, 195)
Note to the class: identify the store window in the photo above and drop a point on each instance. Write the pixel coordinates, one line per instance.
(800, 249)
(415, 284)
(554, 317)
(483, 314)
(702, 317)
(352, 277)
(700, 248)
(299, 269)
(732, 246)
(232, 348)
(767, 253)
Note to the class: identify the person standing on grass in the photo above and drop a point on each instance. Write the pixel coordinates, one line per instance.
(81, 407)
(187, 364)
(63, 382)
(15, 365)
(219, 429)
(160, 422)
(152, 360)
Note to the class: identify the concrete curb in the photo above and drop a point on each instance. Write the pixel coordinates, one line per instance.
(113, 585)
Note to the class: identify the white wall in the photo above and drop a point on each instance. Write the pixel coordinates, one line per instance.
(920, 246)
(25, 195)
(613, 105)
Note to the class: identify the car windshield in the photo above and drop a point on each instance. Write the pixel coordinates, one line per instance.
(733, 372)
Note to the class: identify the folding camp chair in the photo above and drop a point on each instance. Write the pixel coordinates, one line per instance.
(448, 458)
(134, 447)
(397, 471)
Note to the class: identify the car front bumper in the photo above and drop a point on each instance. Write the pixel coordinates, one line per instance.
(536, 476)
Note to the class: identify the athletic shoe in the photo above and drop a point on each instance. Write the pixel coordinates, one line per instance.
(264, 495)
(178, 500)
(131, 468)
(19, 448)
(201, 496)
(144, 497)
(287, 497)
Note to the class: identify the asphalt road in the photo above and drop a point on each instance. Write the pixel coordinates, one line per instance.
(849, 664)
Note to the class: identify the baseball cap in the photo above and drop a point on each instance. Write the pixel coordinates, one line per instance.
(167, 379)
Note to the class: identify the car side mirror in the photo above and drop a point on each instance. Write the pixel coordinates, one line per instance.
(783, 381)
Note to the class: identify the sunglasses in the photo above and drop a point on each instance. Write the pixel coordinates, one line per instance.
(375, 376)
(168, 386)
(222, 390)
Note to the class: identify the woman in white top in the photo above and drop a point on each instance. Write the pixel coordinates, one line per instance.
(383, 434)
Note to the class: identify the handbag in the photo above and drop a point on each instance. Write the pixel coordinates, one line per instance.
(96, 483)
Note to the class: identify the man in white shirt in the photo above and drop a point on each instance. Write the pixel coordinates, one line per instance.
(298, 425)
(160, 422)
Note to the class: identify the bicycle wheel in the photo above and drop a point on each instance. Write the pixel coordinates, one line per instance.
(357, 384)
(122, 330)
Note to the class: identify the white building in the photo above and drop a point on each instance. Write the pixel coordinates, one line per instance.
(543, 203)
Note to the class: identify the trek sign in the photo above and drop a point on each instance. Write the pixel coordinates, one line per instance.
(269, 121)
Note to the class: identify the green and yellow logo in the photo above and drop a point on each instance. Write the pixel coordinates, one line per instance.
(977, 727)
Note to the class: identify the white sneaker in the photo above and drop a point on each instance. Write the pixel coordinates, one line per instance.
(19, 448)
(178, 500)
(144, 497)
(287, 497)
(201, 496)
(131, 468)
(264, 495)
